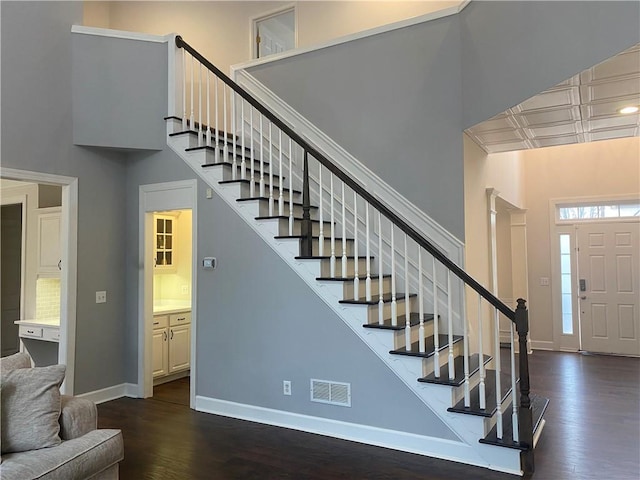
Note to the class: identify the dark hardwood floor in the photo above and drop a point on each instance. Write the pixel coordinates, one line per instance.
(592, 433)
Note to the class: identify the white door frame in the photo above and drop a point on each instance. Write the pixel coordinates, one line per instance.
(561, 341)
(69, 255)
(180, 195)
(268, 14)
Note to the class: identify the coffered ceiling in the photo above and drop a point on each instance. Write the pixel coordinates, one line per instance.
(584, 108)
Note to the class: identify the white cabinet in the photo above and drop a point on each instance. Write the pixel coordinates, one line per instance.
(46, 330)
(160, 346)
(49, 256)
(165, 242)
(171, 343)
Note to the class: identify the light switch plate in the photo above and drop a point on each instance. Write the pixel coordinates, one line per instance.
(101, 297)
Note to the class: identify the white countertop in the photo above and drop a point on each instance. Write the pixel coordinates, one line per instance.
(170, 306)
(41, 322)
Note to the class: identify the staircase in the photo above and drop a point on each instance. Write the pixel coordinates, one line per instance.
(396, 290)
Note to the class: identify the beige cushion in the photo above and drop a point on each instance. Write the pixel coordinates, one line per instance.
(30, 408)
(17, 360)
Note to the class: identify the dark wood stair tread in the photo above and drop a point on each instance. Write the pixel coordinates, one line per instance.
(266, 199)
(239, 168)
(429, 346)
(348, 279)
(458, 364)
(212, 129)
(375, 299)
(324, 257)
(315, 237)
(246, 180)
(414, 319)
(284, 217)
(539, 405)
(490, 395)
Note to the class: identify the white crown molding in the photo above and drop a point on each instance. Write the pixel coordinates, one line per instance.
(354, 36)
(107, 32)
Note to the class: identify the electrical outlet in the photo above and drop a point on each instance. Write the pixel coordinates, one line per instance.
(286, 387)
(544, 281)
(185, 289)
(101, 297)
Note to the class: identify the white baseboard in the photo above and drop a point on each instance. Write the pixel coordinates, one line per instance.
(542, 345)
(380, 437)
(112, 393)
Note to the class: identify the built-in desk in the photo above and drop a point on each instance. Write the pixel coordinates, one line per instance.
(47, 330)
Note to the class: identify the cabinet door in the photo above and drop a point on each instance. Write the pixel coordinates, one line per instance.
(179, 348)
(49, 243)
(160, 352)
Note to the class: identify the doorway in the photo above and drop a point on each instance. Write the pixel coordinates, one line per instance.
(11, 260)
(275, 32)
(167, 285)
(595, 277)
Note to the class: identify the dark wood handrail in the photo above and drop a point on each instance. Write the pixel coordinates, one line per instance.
(354, 185)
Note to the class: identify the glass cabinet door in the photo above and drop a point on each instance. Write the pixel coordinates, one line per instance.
(165, 241)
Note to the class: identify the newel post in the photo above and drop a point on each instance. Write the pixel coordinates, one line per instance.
(306, 231)
(525, 415)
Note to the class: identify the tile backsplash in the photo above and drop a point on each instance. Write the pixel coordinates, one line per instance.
(47, 298)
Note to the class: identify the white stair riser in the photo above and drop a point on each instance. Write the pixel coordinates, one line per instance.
(399, 337)
(297, 226)
(428, 366)
(297, 209)
(325, 266)
(386, 312)
(246, 193)
(349, 288)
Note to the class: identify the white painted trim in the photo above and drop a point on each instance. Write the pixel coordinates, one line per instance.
(354, 36)
(122, 34)
(542, 345)
(111, 393)
(268, 14)
(145, 276)
(380, 437)
(69, 253)
(356, 169)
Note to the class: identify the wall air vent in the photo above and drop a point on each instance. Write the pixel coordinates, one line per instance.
(333, 393)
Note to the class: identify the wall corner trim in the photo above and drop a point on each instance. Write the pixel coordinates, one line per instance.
(122, 34)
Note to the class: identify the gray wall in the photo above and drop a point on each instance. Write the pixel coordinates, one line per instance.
(119, 89)
(36, 135)
(515, 50)
(393, 101)
(259, 324)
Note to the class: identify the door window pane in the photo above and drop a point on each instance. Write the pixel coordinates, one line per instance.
(566, 284)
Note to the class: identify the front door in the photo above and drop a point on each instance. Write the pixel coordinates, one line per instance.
(609, 294)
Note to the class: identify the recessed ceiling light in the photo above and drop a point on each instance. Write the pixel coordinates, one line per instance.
(626, 110)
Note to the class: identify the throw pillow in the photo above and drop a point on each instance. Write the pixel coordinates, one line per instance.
(30, 408)
(17, 360)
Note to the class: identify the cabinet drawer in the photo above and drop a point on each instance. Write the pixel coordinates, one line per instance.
(160, 321)
(30, 332)
(179, 318)
(51, 334)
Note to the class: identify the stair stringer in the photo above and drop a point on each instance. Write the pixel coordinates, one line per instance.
(468, 428)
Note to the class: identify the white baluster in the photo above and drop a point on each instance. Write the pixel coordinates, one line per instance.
(243, 162)
(344, 236)
(281, 184)
(394, 303)
(270, 171)
(498, 369)
(225, 147)
(216, 109)
(407, 327)
(368, 261)
(452, 369)
(184, 90)
(356, 280)
(465, 348)
(192, 117)
(321, 207)
(200, 104)
(208, 111)
(380, 263)
(290, 188)
(261, 158)
(333, 229)
(514, 399)
(436, 322)
(234, 161)
(421, 344)
(252, 183)
(481, 385)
